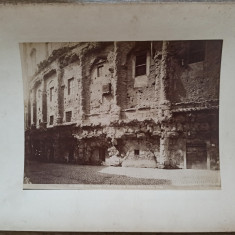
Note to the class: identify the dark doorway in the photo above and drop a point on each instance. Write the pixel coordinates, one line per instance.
(102, 154)
(51, 154)
(196, 156)
(71, 155)
(98, 155)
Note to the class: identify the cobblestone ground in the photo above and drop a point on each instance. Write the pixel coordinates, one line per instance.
(53, 173)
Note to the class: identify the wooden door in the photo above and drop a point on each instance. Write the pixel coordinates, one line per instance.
(196, 156)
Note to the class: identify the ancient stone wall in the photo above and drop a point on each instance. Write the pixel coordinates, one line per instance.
(198, 80)
(140, 104)
(71, 91)
(140, 152)
(136, 91)
(98, 86)
(39, 104)
(52, 99)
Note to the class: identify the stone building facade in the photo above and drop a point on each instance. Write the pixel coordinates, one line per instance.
(137, 104)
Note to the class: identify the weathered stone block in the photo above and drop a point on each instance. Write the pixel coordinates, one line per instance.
(113, 161)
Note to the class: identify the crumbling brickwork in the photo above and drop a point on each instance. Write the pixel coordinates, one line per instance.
(130, 104)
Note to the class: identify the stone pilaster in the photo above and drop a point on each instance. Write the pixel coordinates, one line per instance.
(81, 88)
(164, 76)
(44, 103)
(165, 103)
(60, 98)
(115, 111)
(34, 105)
(28, 123)
(164, 152)
(81, 107)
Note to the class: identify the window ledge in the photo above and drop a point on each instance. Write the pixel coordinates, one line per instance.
(137, 108)
(144, 107)
(67, 124)
(129, 110)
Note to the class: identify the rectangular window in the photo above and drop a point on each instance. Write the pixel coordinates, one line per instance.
(51, 120)
(106, 89)
(140, 65)
(68, 116)
(70, 86)
(196, 52)
(100, 70)
(51, 93)
(137, 152)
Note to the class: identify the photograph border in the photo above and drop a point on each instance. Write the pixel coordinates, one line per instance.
(133, 211)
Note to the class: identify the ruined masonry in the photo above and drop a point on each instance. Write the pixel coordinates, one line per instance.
(130, 104)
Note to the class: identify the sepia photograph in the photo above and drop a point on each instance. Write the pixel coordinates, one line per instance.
(141, 113)
(117, 117)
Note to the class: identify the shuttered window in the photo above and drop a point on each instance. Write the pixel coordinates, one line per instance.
(51, 120)
(140, 65)
(68, 116)
(70, 86)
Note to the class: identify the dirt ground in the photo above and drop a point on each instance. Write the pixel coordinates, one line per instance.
(54, 173)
